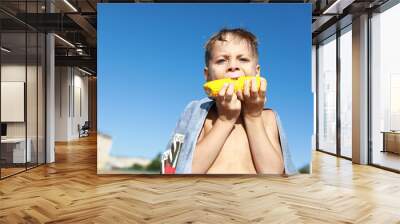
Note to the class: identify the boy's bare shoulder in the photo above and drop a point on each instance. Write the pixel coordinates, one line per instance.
(208, 123)
(211, 117)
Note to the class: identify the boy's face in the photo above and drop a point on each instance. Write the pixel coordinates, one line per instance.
(231, 59)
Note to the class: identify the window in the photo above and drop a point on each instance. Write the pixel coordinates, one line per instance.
(385, 88)
(346, 92)
(327, 95)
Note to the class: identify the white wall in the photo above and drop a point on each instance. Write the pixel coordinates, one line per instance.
(71, 92)
(16, 73)
(80, 102)
(10, 73)
(12, 101)
(33, 126)
(13, 72)
(61, 103)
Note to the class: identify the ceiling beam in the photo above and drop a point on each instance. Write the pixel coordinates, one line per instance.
(83, 61)
(86, 26)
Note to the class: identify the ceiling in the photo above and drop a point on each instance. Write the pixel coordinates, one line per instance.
(77, 25)
(76, 22)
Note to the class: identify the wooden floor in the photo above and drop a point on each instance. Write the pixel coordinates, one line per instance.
(10, 171)
(388, 159)
(69, 191)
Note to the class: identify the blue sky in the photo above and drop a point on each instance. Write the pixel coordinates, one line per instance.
(151, 60)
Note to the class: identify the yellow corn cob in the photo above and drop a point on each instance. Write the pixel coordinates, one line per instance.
(212, 88)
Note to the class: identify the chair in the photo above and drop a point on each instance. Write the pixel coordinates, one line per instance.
(84, 130)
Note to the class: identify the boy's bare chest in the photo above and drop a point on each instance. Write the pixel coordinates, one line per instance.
(237, 140)
(235, 155)
(237, 144)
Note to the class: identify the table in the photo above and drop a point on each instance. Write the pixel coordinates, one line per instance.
(17, 151)
(391, 141)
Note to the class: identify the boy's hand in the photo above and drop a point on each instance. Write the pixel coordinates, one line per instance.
(253, 98)
(228, 105)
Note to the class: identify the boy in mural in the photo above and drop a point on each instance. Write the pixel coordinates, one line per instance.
(230, 133)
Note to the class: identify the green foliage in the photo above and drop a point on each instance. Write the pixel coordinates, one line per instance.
(155, 164)
(137, 167)
(305, 169)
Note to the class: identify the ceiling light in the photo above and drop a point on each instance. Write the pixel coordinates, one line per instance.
(5, 50)
(71, 6)
(64, 40)
(84, 71)
(79, 51)
(337, 7)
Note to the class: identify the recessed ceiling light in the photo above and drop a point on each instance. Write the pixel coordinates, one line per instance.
(337, 7)
(70, 5)
(64, 40)
(5, 50)
(84, 71)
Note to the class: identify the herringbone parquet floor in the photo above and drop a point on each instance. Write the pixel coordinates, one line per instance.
(69, 191)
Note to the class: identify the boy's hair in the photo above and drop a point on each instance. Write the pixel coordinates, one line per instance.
(240, 33)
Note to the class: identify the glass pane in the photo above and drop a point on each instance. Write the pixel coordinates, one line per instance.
(31, 85)
(386, 89)
(327, 95)
(41, 98)
(345, 93)
(31, 101)
(13, 88)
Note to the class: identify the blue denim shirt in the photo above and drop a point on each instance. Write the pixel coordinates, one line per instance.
(190, 124)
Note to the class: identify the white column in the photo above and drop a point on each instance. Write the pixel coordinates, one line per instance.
(360, 90)
(50, 110)
(50, 91)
